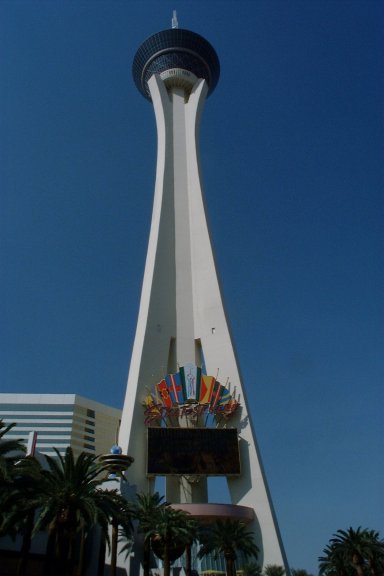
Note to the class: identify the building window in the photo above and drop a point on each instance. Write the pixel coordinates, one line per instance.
(89, 438)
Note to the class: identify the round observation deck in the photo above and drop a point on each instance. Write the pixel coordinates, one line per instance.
(174, 51)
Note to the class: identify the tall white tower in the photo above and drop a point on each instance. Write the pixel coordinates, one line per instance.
(185, 414)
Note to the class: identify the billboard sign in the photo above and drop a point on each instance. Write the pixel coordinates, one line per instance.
(193, 451)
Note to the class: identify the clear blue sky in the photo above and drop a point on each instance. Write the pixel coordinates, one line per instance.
(292, 154)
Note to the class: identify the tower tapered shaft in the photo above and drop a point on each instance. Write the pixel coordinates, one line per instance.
(181, 317)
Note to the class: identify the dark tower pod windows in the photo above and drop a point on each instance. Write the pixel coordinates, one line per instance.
(175, 49)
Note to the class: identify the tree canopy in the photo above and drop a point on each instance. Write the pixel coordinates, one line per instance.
(228, 537)
(353, 553)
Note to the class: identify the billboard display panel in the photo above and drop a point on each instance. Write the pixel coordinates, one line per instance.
(193, 451)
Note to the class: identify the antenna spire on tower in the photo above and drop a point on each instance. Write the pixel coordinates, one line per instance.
(175, 23)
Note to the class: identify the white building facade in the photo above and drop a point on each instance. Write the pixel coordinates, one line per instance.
(61, 420)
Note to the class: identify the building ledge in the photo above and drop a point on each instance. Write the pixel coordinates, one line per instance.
(211, 512)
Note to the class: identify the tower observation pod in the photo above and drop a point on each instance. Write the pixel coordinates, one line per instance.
(186, 418)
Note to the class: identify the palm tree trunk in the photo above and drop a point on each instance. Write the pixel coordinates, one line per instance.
(373, 567)
(114, 548)
(71, 552)
(188, 560)
(50, 553)
(102, 550)
(62, 553)
(80, 564)
(26, 545)
(166, 560)
(230, 565)
(146, 556)
(357, 563)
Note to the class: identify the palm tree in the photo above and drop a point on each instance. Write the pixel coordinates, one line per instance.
(353, 546)
(374, 552)
(252, 569)
(274, 570)
(24, 499)
(146, 510)
(192, 536)
(114, 509)
(299, 572)
(10, 452)
(352, 552)
(333, 562)
(20, 492)
(228, 537)
(72, 503)
(174, 532)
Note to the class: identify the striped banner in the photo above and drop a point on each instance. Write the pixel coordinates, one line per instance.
(175, 388)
